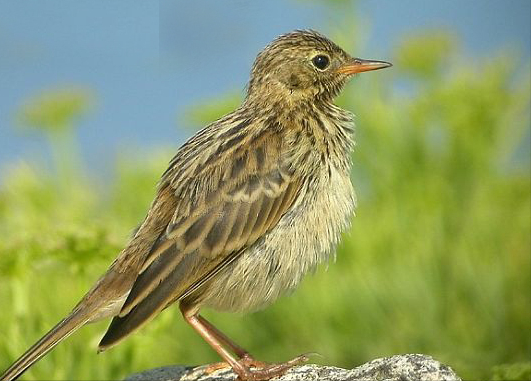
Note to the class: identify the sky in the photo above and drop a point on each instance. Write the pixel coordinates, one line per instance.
(149, 62)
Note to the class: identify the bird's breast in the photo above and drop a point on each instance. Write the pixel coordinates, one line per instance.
(304, 237)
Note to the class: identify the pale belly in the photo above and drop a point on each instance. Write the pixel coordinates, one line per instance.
(303, 238)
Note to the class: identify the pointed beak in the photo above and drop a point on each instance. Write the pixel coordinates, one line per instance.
(357, 65)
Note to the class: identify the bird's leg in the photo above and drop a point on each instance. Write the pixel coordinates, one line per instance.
(238, 351)
(244, 356)
(241, 366)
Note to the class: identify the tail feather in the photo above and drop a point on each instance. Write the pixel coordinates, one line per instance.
(57, 334)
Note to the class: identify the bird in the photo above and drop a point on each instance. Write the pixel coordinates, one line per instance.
(247, 206)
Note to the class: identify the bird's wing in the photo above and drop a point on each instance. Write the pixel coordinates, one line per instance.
(230, 196)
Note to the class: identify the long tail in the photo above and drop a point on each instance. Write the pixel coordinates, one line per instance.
(61, 331)
(103, 300)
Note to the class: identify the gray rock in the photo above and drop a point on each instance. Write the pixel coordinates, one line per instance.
(410, 367)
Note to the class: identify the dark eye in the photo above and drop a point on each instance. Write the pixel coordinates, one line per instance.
(321, 61)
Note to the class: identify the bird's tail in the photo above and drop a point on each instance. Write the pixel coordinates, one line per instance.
(103, 300)
(61, 331)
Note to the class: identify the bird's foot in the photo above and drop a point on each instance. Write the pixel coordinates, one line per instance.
(249, 369)
(246, 359)
(214, 367)
(254, 370)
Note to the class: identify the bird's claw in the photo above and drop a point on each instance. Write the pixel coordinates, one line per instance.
(250, 369)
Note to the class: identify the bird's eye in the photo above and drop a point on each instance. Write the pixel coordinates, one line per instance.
(320, 61)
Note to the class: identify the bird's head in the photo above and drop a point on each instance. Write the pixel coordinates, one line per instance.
(303, 66)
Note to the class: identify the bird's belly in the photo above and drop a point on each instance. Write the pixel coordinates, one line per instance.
(303, 238)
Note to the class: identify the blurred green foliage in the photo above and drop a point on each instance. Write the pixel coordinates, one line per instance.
(55, 110)
(54, 113)
(425, 54)
(437, 260)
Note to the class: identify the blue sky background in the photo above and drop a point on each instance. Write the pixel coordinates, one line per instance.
(147, 62)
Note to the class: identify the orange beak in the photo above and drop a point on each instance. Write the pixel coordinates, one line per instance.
(357, 65)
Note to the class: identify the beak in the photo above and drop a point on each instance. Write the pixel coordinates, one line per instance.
(357, 65)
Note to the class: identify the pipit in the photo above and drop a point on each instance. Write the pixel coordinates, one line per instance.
(247, 207)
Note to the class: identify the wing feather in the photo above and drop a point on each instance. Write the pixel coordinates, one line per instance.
(237, 202)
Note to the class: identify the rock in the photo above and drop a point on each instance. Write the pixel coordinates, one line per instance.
(410, 367)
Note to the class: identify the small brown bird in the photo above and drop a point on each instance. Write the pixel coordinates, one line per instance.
(248, 205)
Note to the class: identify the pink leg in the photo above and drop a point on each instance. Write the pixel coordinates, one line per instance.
(220, 336)
(241, 366)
